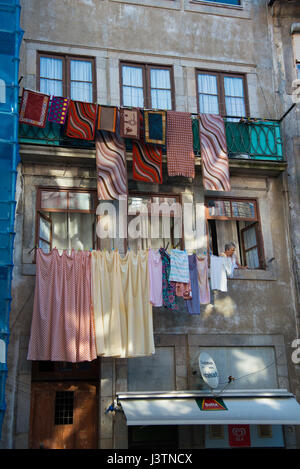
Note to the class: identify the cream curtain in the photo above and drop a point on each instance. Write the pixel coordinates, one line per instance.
(121, 306)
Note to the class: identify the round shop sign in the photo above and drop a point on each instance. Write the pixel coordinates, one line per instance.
(208, 370)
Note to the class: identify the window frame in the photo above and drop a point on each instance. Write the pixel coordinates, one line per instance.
(66, 71)
(220, 75)
(255, 221)
(40, 212)
(146, 72)
(151, 195)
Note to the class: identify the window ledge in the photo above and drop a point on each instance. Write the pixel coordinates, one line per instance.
(255, 274)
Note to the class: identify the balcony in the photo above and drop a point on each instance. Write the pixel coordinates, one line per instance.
(247, 139)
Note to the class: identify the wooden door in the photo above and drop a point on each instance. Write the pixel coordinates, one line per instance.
(64, 415)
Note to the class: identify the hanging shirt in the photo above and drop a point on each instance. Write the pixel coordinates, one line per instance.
(155, 277)
(168, 288)
(179, 266)
(193, 305)
(220, 268)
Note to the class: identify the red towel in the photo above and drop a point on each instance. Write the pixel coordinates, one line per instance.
(34, 108)
(180, 153)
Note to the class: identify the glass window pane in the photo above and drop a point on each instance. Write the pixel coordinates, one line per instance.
(80, 232)
(81, 70)
(208, 104)
(161, 99)
(81, 91)
(54, 200)
(51, 68)
(81, 201)
(219, 208)
(60, 231)
(228, 2)
(133, 97)
(243, 210)
(51, 87)
(252, 259)
(250, 238)
(44, 246)
(298, 71)
(207, 84)
(132, 76)
(45, 229)
(160, 79)
(234, 96)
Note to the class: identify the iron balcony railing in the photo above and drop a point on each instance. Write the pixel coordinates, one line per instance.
(246, 138)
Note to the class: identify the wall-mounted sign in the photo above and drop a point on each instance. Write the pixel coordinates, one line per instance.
(209, 403)
(208, 370)
(239, 435)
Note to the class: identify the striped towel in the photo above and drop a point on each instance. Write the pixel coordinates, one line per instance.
(180, 153)
(111, 165)
(179, 266)
(215, 167)
(81, 120)
(147, 162)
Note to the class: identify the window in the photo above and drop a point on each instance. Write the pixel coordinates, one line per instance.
(222, 93)
(64, 402)
(154, 221)
(298, 70)
(67, 76)
(147, 86)
(66, 219)
(235, 220)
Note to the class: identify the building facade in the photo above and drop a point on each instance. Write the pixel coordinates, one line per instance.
(194, 57)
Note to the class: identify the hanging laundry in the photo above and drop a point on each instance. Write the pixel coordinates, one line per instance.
(155, 127)
(193, 304)
(155, 277)
(111, 165)
(215, 166)
(183, 289)
(204, 289)
(34, 108)
(220, 269)
(107, 118)
(130, 123)
(180, 153)
(121, 306)
(62, 327)
(58, 110)
(146, 162)
(196, 136)
(179, 266)
(168, 288)
(81, 121)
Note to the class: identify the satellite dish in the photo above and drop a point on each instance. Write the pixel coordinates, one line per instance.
(208, 370)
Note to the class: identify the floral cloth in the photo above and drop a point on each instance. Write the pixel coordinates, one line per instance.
(168, 288)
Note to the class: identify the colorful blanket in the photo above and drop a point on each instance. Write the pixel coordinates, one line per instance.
(58, 110)
(180, 154)
(215, 166)
(81, 120)
(34, 108)
(146, 162)
(107, 118)
(155, 127)
(111, 165)
(130, 123)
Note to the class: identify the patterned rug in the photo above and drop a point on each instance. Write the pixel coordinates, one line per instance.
(130, 123)
(180, 153)
(34, 108)
(107, 118)
(155, 127)
(81, 120)
(147, 162)
(58, 110)
(111, 165)
(215, 166)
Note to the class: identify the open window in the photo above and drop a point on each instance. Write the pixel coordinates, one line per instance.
(66, 219)
(154, 221)
(235, 220)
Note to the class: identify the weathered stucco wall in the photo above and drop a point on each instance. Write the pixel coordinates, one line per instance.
(259, 308)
